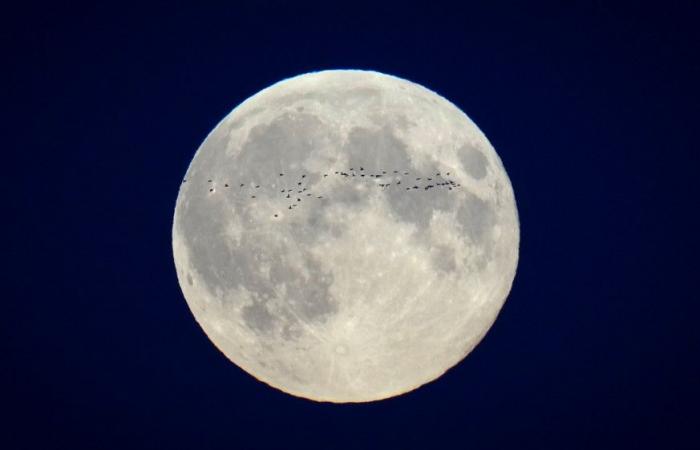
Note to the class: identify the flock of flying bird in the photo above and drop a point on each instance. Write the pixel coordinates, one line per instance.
(296, 193)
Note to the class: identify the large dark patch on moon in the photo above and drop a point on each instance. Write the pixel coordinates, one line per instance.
(473, 161)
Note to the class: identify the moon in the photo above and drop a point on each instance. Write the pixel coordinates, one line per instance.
(345, 235)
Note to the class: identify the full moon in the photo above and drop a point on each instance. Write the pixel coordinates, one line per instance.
(345, 235)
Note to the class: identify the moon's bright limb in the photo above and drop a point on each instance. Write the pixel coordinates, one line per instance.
(346, 235)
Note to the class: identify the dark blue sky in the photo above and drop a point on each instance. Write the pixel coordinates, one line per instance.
(593, 108)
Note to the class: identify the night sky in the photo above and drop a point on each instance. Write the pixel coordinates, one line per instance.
(592, 107)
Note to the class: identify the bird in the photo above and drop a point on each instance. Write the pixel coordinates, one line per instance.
(303, 176)
(275, 215)
(211, 190)
(225, 185)
(281, 174)
(252, 196)
(241, 184)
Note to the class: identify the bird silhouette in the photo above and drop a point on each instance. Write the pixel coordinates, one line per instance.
(396, 180)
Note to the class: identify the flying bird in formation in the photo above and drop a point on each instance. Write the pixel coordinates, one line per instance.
(449, 184)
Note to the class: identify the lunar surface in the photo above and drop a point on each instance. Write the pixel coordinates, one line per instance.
(345, 236)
